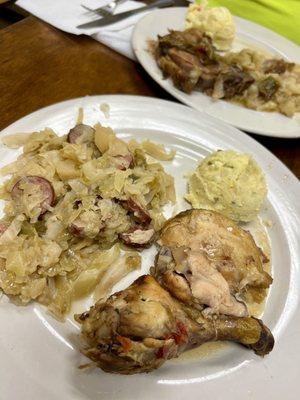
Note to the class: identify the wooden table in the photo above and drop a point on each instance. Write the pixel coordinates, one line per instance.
(40, 65)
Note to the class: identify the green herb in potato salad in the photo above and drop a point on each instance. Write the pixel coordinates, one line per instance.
(77, 209)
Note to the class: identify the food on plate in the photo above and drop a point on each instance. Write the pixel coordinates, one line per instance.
(33, 193)
(206, 272)
(248, 77)
(276, 85)
(205, 259)
(77, 209)
(215, 22)
(228, 182)
(139, 328)
(71, 203)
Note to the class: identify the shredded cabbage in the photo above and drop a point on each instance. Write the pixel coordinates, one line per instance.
(65, 209)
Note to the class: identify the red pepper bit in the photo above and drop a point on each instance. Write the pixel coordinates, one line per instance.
(180, 336)
(162, 352)
(125, 343)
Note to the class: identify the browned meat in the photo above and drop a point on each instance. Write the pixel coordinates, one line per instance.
(90, 221)
(276, 66)
(209, 74)
(207, 260)
(138, 237)
(139, 328)
(81, 133)
(186, 61)
(183, 55)
(138, 213)
(182, 79)
(268, 87)
(233, 81)
(37, 182)
(188, 57)
(190, 40)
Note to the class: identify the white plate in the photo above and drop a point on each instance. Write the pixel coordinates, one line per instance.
(248, 35)
(39, 356)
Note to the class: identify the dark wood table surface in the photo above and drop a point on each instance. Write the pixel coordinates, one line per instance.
(40, 65)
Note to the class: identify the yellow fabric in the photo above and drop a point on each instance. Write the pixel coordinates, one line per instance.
(281, 16)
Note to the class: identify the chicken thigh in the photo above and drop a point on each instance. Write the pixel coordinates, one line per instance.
(206, 260)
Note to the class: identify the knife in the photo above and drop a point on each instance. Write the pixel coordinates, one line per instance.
(118, 17)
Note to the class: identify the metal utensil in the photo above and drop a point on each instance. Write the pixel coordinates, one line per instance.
(104, 11)
(98, 11)
(118, 17)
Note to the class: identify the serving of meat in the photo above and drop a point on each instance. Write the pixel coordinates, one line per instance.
(189, 58)
(245, 77)
(206, 259)
(139, 328)
(138, 213)
(81, 133)
(140, 234)
(29, 185)
(191, 40)
(183, 67)
(205, 262)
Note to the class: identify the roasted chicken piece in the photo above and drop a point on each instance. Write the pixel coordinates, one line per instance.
(204, 263)
(139, 328)
(207, 260)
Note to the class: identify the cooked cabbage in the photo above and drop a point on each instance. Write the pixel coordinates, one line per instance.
(67, 202)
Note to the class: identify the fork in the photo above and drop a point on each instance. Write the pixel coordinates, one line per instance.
(107, 10)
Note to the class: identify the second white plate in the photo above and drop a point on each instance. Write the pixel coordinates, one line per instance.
(249, 34)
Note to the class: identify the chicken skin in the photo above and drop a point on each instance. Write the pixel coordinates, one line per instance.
(207, 260)
(139, 328)
(204, 263)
